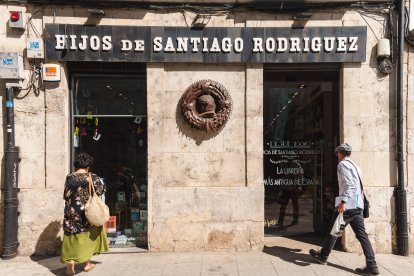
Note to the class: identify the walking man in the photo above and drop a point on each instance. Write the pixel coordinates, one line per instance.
(350, 202)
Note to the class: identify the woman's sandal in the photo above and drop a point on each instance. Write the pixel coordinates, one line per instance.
(70, 268)
(89, 267)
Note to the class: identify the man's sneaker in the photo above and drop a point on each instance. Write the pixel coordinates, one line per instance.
(367, 271)
(316, 255)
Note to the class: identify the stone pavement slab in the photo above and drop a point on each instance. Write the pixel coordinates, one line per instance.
(255, 264)
(219, 264)
(280, 257)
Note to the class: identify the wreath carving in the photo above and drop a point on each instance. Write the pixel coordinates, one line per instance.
(206, 105)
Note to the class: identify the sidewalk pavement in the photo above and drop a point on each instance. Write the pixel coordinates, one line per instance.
(281, 256)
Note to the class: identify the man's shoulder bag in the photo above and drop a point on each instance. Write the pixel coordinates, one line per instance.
(96, 211)
(365, 213)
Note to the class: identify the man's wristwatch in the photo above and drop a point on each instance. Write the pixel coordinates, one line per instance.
(343, 202)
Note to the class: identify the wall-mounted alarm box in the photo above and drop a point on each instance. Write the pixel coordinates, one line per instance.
(51, 72)
(11, 66)
(17, 19)
(35, 48)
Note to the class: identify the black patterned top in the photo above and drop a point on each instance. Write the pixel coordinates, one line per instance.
(76, 194)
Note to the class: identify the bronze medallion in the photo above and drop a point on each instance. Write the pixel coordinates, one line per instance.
(206, 105)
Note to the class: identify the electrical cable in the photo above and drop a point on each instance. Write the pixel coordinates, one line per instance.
(364, 9)
(214, 8)
(29, 21)
(32, 84)
(185, 17)
(406, 31)
(393, 39)
(368, 25)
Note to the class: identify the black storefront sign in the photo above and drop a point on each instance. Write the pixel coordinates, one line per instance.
(209, 45)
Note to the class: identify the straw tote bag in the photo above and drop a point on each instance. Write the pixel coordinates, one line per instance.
(96, 211)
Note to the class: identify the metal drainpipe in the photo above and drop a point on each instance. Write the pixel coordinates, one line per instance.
(11, 202)
(400, 192)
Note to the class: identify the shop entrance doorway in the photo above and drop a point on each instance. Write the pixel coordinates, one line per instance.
(301, 128)
(109, 121)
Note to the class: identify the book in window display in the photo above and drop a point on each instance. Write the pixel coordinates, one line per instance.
(111, 238)
(135, 214)
(137, 227)
(121, 240)
(110, 225)
(142, 238)
(120, 205)
(120, 197)
(143, 215)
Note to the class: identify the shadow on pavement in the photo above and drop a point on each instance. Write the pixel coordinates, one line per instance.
(55, 266)
(52, 263)
(48, 248)
(290, 255)
(342, 268)
(316, 239)
(313, 238)
(295, 256)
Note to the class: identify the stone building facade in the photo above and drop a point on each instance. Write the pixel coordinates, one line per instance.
(204, 192)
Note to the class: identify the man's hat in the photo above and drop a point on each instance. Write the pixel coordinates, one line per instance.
(343, 147)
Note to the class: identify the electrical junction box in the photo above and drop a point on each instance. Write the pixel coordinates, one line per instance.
(383, 48)
(11, 66)
(51, 72)
(35, 48)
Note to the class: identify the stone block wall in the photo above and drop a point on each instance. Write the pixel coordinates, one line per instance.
(41, 131)
(206, 190)
(205, 194)
(41, 127)
(367, 122)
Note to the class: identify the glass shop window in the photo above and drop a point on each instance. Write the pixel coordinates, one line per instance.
(301, 127)
(109, 121)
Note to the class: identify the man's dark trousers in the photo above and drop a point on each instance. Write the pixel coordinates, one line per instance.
(356, 220)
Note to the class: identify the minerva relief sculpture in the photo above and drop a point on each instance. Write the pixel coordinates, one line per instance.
(206, 105)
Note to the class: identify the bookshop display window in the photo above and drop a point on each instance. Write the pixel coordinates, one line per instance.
(301, 127)
(109, 121)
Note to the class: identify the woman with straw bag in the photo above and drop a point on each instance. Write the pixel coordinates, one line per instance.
(81, 240)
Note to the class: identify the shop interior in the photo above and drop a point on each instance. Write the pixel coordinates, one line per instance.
(301, 129)
(109, 122)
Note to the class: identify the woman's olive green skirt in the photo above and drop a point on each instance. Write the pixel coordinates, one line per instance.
(81, 247)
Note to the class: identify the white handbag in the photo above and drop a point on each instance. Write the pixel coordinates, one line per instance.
(96, 211)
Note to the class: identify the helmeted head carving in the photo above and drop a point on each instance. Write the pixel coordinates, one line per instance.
(206, 105)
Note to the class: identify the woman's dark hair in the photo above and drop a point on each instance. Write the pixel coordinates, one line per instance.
(82, 161)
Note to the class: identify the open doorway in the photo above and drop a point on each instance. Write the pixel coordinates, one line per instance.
(109, 121)
(301, 128)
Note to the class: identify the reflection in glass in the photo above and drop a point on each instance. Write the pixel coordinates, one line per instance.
(115, 95)
(299, 132)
